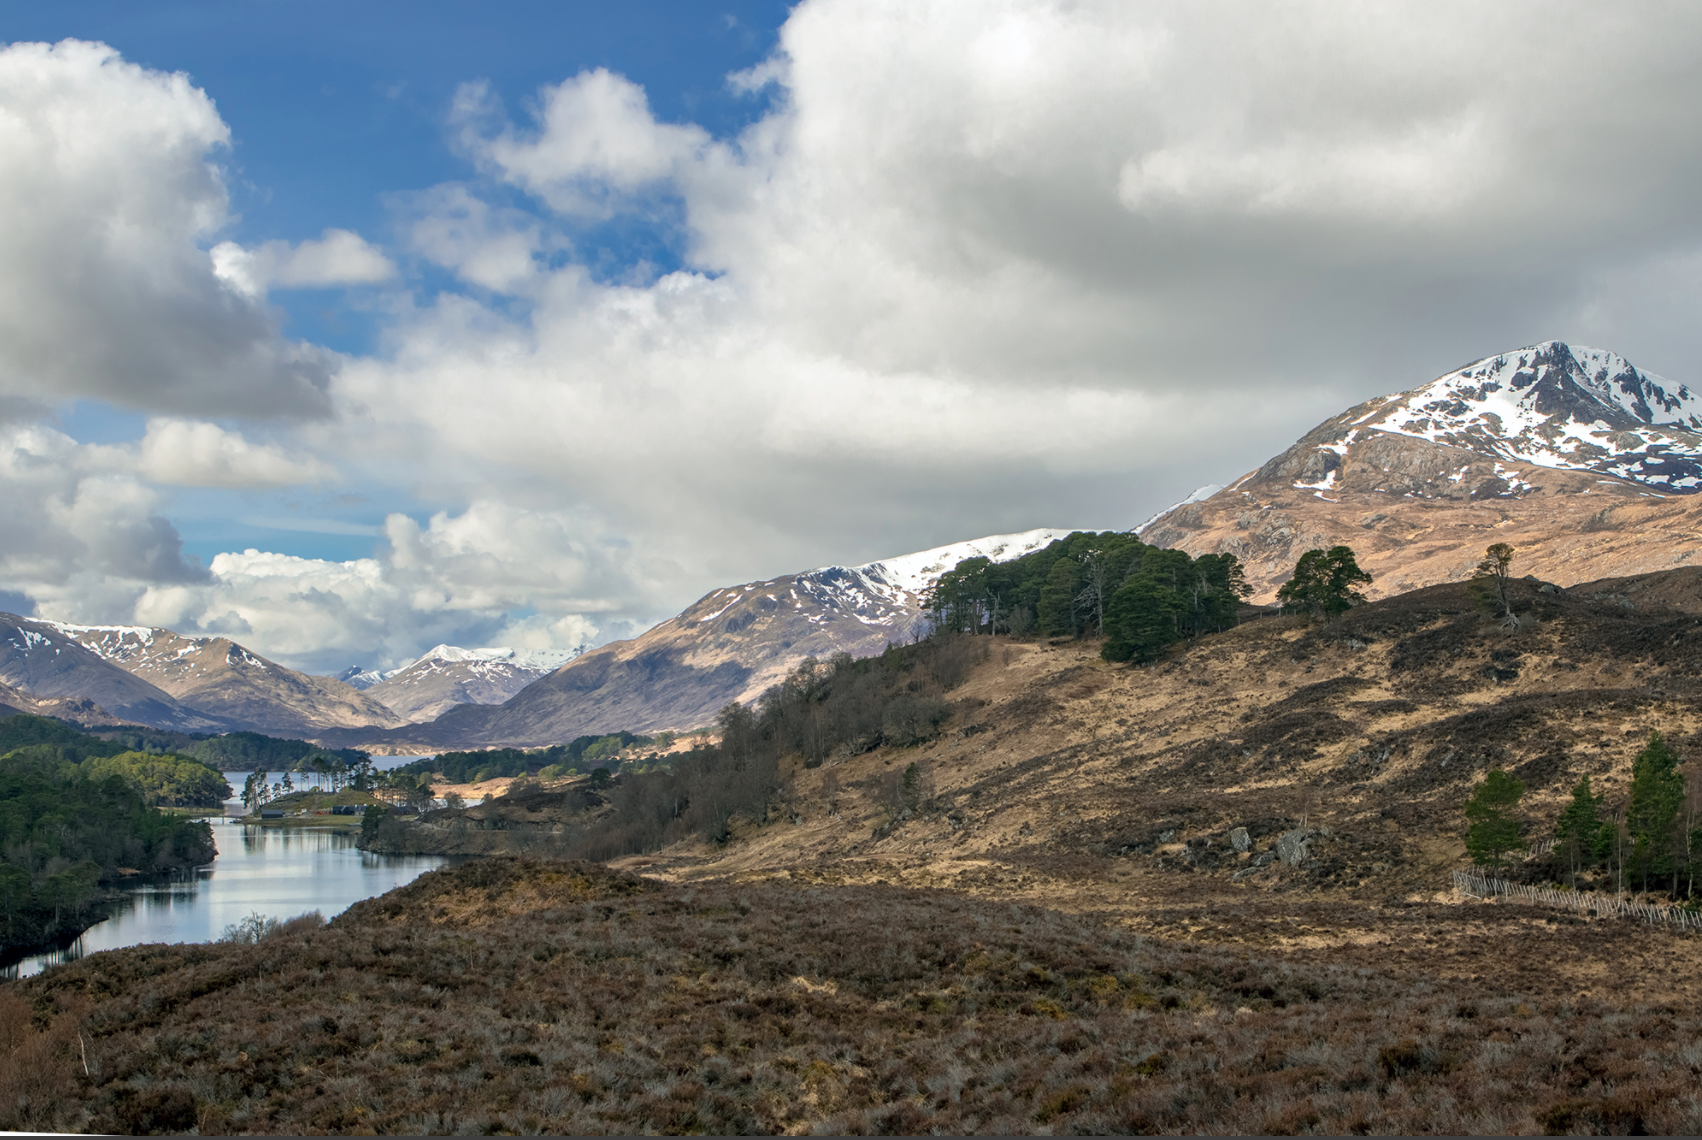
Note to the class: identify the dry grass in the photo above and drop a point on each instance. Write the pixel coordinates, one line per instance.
(520, 997)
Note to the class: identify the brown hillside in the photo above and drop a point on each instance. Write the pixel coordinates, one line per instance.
(503, 997)
(1094, 956)
(1069, 781)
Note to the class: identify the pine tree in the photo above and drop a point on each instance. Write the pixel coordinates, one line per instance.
(1492, 834)
(1323, 584)
(1494, 574)
(1058, 597)
(251, 791)
(1657, 795)
(1579, 824)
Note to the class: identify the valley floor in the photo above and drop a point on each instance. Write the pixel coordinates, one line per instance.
(503, 996)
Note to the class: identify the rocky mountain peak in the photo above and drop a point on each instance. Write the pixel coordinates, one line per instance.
(1555, 405)
(1573, 455)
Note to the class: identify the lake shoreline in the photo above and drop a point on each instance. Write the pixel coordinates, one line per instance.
(276, 871)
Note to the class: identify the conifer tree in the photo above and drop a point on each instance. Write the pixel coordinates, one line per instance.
(1579, 824)
(1492, 834)
(1058, 597)
(1323, 584)
(1653, 816)
(1494, 574)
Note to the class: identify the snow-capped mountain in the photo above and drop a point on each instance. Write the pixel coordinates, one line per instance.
(230, 686)
(884, 595)
(449, 675)
(43, 660)
(1556, 405)
(731, 644)
(1572, 455)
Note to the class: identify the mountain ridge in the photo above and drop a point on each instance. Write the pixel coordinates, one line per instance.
(449, 675)
(215, 684)
(730, 644)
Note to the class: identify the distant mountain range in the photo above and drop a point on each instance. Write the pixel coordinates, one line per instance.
(1584, 463)
(448, 676)
(165, 680)
(729, 645)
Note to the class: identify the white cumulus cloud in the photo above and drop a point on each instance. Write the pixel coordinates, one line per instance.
(199, 454)
(108, 187)
(976, 267)
(338, 257)
(494, 574)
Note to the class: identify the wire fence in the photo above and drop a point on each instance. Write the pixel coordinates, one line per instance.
(1589, 902)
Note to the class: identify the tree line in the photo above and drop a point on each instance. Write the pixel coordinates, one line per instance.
(841, 706)
(549, 763)
(1140, 598)
(1652, 840)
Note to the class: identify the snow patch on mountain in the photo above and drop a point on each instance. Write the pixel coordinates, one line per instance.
(364, 679)
(544, 660)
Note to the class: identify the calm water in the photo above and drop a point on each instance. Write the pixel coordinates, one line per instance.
(277, 872)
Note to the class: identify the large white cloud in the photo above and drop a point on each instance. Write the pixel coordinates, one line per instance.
(82, 535)
(107, 189)
(192, 453)
(337, 257)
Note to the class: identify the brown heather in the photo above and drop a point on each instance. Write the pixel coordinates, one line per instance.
(509, 996)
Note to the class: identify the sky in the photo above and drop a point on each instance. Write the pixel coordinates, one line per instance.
(345, 330)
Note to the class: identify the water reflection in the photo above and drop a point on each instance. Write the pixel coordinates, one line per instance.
(278, 872)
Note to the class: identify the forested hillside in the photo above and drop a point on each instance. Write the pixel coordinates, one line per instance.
(76, 816)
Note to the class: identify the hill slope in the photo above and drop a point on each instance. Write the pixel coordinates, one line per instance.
(43, 661)
(1070, 781)
(729, 645)
(1572, 455)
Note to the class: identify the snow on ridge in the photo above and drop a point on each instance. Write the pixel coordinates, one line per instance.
(364, 679)
(545, 660)
(524, 658)
(1199, 495)
(891, 578)
(141, 633)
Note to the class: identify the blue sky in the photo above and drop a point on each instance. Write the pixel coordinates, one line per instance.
(531, 323)
(335, 108)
